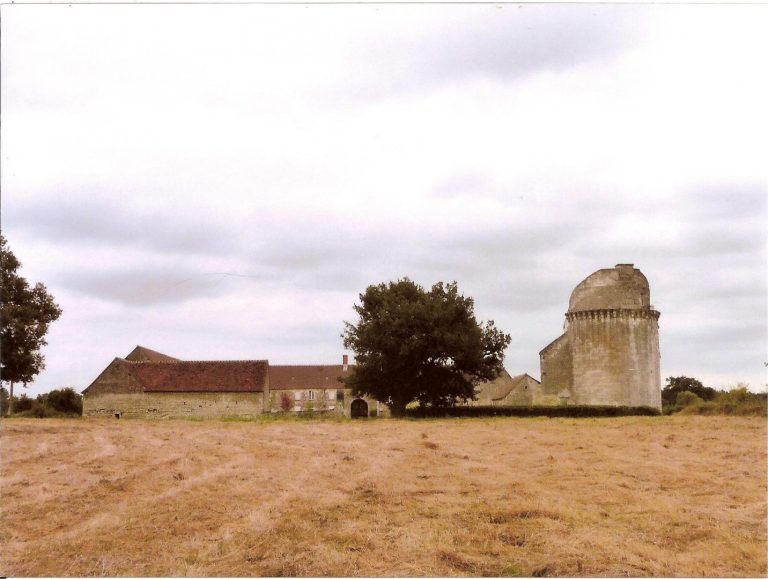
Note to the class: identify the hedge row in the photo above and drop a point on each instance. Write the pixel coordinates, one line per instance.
(551, 411)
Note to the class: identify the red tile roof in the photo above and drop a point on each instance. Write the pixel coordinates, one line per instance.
(305, 377)
(213, 376)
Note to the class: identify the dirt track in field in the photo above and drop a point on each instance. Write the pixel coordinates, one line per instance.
(504, 496)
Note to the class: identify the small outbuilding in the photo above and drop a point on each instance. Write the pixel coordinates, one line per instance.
(506, 390)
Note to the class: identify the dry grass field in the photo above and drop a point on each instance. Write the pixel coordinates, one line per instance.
(632, 496)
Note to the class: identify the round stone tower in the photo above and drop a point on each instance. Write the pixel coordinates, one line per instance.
(614, 340)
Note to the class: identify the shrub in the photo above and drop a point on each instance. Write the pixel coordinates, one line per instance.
(22, 403)
(678, 384)
(65, 400)
(687, 398)
(285, 402)
(736, 401)
(61, 402)
(37, 410)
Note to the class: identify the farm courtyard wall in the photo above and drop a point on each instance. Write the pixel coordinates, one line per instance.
(174, 404)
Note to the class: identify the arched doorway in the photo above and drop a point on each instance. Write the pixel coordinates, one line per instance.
(359, 408)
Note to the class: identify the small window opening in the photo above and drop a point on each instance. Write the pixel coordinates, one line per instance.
(117, 415)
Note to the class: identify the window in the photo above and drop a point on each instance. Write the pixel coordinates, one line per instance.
(340, 396)
(311, 394)
(297, 395)
(330, 394)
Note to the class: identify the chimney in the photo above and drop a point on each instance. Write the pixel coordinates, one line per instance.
(344, 363)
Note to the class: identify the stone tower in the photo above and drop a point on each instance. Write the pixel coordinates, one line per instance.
(609, 353)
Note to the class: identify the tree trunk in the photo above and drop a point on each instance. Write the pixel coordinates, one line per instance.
(10, 400)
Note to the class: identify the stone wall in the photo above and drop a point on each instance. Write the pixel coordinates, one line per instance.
(556, 367)
(115, 379)
(173, 404)
(615, 357)
(525, 393)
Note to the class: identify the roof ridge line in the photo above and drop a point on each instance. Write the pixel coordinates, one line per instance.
(307, 365)
(193, 361)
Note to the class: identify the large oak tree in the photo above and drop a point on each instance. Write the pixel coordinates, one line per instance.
(416, 345)
(25, 315)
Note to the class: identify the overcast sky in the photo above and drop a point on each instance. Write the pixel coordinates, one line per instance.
(222, 181)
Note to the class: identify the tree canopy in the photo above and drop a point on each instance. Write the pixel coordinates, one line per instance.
(416, 345)
(25, 315)
(677, 384)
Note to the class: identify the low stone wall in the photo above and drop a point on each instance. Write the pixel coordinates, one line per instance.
(174, 404)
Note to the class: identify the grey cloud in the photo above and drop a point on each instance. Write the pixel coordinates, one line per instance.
(727, 201)
(142, 287)
(70, 219)
(523, 39)
(505, 42)
(332, 254)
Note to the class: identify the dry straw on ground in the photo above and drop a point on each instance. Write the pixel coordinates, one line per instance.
(505, 496)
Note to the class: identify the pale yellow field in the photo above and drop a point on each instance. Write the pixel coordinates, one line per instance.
(503, 496)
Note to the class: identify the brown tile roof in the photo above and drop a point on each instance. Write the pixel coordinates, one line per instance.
(142, 354)
(213, 376)
(305, 377)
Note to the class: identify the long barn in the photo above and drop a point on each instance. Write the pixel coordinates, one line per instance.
(149, 384)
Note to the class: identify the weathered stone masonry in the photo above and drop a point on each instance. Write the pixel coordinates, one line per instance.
(147, 384)
(609, 353)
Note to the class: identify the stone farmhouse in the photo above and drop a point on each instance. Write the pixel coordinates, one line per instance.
(608, 354)
(149, 384)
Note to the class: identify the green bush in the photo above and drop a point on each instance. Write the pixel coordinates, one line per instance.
(65, 400)
(61, 402)
(737, 401)
(686, 398)
(22, 403)
(677, 384)
(37, 410)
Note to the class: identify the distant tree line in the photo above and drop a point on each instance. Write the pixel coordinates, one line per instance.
(61, 402)
(686, 395)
